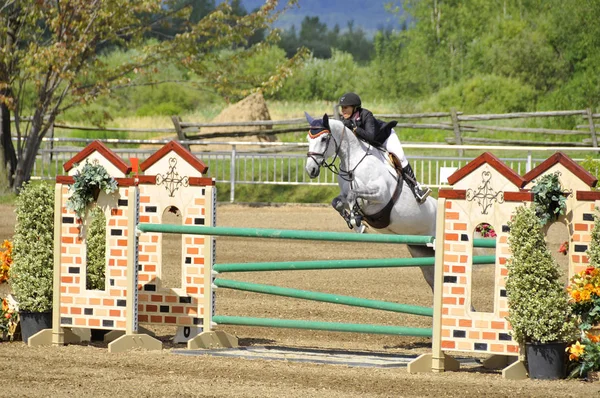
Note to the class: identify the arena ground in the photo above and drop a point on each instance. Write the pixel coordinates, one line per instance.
(89, 370)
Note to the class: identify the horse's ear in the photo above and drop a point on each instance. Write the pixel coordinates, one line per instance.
(308, 117)
(326, 122)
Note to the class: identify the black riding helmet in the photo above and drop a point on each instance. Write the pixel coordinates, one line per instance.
(350, 99)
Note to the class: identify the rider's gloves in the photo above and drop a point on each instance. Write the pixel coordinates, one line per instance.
(349, 123)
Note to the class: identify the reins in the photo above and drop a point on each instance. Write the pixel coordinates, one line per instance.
(346, 175)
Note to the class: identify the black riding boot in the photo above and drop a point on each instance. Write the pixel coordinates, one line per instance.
(421, 193)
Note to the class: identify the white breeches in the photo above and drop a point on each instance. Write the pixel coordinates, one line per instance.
(393, 145)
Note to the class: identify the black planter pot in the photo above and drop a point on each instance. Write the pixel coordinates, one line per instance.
(546, 361)
(33, 322)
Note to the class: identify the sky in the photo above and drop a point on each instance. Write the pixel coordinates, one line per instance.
(369, 15)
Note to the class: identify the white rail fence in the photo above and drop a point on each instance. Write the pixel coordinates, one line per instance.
(283, 163)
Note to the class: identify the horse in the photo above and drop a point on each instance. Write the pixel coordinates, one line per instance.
(370, 187)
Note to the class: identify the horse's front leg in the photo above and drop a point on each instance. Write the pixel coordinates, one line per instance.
(341, 206)
(369, 193)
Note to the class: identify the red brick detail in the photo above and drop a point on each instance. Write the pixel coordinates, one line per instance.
(94, 322)
(458, 290)
(489, 336)
(155, 298)
(591, 196)
(459, 226)
(201, 181)
(581, 227)
(114, 313)
(448, 204)
(104, 151)
(521, 196)
(504, 272)
(177, 310)
(156, 319)
(569, 164)
(457, 194)
(452, 215)
(143, 318)
(461, 301)
(451, 237)
(170, 319)
(493, 161)
(465, 323)
(498, 325)
(448, 344)
(449, 300)
(513, 349)
(459, 269)
(178, 149)
(151, 308)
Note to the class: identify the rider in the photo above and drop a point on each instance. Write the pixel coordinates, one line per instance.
(376, 132)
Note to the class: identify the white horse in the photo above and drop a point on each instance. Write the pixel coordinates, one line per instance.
(369, 186)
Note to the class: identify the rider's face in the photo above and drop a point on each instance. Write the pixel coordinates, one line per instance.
(347, 111)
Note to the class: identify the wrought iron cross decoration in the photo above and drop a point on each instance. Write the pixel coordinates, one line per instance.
(485, 194)
(172, 180)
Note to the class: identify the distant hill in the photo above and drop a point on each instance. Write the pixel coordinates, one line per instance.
(370, 16)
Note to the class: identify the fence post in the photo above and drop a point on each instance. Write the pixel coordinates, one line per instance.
(590, 117)
(177, 123)
(456, 127)
(232, 175)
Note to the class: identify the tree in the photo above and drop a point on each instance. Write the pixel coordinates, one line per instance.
(49, 56)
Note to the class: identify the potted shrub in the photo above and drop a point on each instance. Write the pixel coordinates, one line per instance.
(31, 274)
(539, 310)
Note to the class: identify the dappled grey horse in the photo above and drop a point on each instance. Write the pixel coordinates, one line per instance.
(370, 189)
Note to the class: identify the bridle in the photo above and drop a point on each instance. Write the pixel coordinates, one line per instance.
(343, 174)
(314, 155)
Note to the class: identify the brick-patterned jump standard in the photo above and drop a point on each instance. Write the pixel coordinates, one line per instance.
(487, 191)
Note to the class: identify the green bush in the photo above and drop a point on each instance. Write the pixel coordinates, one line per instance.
(31, 275)
(539, 308)
(96, 251)
(484, 94)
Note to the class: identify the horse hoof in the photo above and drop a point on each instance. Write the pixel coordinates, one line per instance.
(360, 230)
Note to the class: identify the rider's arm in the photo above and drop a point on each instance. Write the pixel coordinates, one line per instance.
(369, 128)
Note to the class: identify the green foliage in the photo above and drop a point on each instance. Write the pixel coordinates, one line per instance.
(593, 250)
(31, 275)
(325, 79)
(277, 193)
(484, 94)
(550, 202)
(592, 165)
(89, 181)
(96, 251)
(538, 304)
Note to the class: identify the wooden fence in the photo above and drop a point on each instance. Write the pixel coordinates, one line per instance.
(453, 121)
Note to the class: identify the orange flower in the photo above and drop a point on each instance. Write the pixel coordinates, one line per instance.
(575, 351)
(593, 338)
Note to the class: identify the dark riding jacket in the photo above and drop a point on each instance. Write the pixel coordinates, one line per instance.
(372, 130)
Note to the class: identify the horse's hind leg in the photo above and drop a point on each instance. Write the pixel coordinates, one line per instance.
(428, 270)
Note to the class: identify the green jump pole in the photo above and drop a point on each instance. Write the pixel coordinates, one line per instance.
(339, 264)
(324, 297)
(287, 234)
(315, 325)
(299, 234)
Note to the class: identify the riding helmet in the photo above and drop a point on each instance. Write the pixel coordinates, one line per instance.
(350, 99)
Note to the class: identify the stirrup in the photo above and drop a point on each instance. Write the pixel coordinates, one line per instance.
(421, 194)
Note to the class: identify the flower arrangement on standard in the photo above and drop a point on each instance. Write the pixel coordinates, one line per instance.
(584, 292)
(9, 319)
(89, 181)
(486, 230)
(5, 260)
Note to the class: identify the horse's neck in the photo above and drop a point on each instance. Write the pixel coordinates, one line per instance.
(351, 151)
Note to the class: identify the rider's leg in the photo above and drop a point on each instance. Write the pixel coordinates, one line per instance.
(393, 145)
